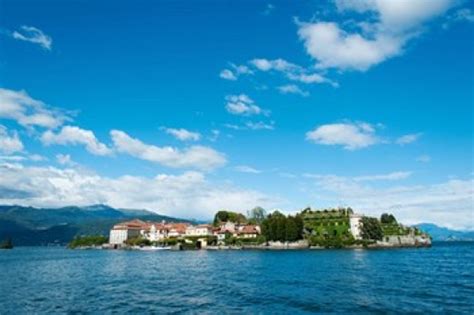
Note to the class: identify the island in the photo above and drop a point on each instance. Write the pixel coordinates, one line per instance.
(307, 229)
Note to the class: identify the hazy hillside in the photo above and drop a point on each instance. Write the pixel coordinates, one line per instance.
(34, 226)
(444, 234)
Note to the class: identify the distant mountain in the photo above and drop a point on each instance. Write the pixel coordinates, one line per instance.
(40, 226)
(445, 234)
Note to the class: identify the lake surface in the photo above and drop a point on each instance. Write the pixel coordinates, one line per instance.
(56, 280)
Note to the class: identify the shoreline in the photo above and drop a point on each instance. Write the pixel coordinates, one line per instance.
(280, 247)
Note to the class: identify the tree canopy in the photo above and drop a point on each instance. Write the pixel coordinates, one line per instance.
(387, 218)
(229, 216)
(278, 227)
(371, 229)
(257, 215)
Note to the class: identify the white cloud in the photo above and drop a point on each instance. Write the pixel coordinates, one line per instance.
(227, 74)
(393, 24)
(390, 176)
(292, 89)
(460, 15)
(72, 135)
(250, 125)
(260, 125)
(292, 71)
(188, 195)
(183, 134)
(407, 139)
(65, 159)
(19, 106)
(276, 64)
(351, 136)
(234, 74)
(19, 158)
(33, 35)
(243, 105)
(448, 204)
(423, 158)
(9, 142)
(334, 48)
(197, 157)
(247, 169)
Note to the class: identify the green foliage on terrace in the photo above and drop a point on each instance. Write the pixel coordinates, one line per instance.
(229, 216)
(329, 227)
(87, 241)
(390, 226)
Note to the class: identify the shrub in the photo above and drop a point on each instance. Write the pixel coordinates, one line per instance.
(89, 240)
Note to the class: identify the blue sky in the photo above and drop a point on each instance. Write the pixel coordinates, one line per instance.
(186, 107)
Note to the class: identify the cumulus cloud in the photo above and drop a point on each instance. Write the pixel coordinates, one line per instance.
(72, 135)
(351, 136)
(197, 157)
(183, 134)
(394, 24)
(65, 159)
(33, 35)
(292, 89)
(27, 111)
(407, 139)
(9, 141)
(235, 71)
(243, 105)
(446, 204)
(188, 195)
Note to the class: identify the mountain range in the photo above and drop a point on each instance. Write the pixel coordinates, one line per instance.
(29, 226)
(444, 234)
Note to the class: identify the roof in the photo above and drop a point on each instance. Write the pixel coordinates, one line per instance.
(130, 225)
(249, 229)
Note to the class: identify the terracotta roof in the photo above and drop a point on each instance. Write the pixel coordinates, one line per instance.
(130, 225)
(248, 229)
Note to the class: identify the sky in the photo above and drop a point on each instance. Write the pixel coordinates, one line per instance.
(188, 107)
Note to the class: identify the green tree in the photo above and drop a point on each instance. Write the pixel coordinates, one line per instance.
(88, 240)
(291, 229)
(229, 216)
(257, 215)
(371, 229)
(388, 218)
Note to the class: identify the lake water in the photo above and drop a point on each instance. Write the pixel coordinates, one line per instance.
(56, 280)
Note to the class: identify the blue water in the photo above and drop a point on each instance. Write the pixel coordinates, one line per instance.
(56, 280)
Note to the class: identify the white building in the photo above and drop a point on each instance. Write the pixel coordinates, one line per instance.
(156, 232)
(125, 231)
(199, 230)
(355, 221)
